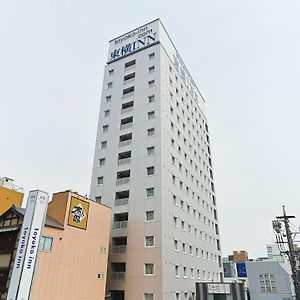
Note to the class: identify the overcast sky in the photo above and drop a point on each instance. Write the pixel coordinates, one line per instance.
(243, 55)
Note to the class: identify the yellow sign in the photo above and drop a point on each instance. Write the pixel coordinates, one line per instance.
(79, 212)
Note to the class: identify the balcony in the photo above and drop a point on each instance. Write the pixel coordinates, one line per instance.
(126, 110)
(124, 158)
(118, 249)
(120, 221)
(124, 161)
(125, 126)
(117, 276)
(121, 202)
(128, 92)
(120, 225)
(126, 123)
(122, 198)
(122, 180)
(125, 140)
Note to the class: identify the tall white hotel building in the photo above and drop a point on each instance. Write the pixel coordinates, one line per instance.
(153, 167)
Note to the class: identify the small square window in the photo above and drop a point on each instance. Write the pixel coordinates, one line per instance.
(100, 180)
(106, 113)
(105, 128)
(149, 269)
(151, 115)
(150, 192)
(150, 215)
(101, 162)
(151, 56)
(108, 98)
(151, 83)
(111, 72)
(148, 296)
(150, 150)
(98, 199)
(103, 145)
(100, 276)
(150, 171)
(109, 85)
(151, 99)
(149, 241)
(46, 243)
(150, 131)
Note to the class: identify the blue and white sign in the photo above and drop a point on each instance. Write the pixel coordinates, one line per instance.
(133, 41)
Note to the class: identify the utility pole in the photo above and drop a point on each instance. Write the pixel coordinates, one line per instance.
(291, 250)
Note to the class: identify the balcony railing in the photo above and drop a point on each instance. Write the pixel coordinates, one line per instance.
(122, 180)
(125, 143)
(128, 95)
(117, 276)
(125, 126)
(124, 161)
(120, 224)
(121, 202)
(126, 110)
(130, 80)
(121, 249)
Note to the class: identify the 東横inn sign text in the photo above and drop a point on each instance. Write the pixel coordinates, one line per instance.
(132, 42)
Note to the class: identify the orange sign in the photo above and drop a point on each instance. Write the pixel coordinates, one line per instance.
(79, 212)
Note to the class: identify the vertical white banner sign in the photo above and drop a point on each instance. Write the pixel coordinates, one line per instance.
(36, 228)
(27, 251)
(23, 241)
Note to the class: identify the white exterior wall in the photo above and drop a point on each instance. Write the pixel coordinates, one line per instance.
(164, 284)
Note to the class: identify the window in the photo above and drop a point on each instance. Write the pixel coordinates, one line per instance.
(128, 90)
(151, 83)
(105, 128)
(150, 171)
(98, 199)
(150, 150)
(149, 269)
(103, 145)
(148, 296)
(130, 77)
(151, 69)
(184, 272)
(177, 296)
(108, 98)
(191, 250)
(175, 221)
(106, 113)
(150, 215)
(151, 115)
(100, 276)
(151, 99)
(46, 243)
(174, 179)
(101, 162)
(150, 131)
(111, 72)
(150, 192)
(151, 56)
(176, 271)
(109, 85)
(267, 283)
(149, 241)
(100, 180)
(130, 64)
(176, 245)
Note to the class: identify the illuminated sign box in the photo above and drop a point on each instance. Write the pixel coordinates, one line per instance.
(78, 214)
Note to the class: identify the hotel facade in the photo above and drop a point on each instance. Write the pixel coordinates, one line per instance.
(153, 166)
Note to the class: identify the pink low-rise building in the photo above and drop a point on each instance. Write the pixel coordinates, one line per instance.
(72, 261)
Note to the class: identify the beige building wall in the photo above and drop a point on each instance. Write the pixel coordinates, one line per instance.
(71, 269)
